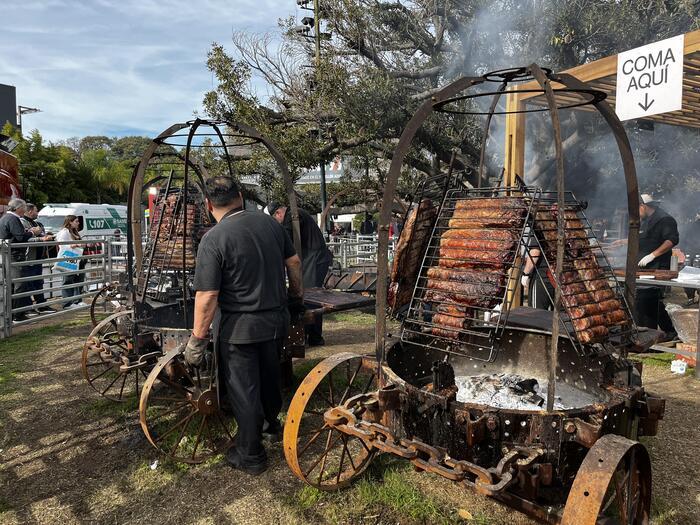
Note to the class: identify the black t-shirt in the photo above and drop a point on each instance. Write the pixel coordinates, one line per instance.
(653, 232)
(243, 258)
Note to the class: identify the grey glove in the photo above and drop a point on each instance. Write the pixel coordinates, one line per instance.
(194, 351)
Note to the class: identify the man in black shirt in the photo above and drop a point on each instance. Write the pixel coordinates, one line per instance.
(241, 270)
(315, 258)
(12, 230)
(658, 234)
(36, 254)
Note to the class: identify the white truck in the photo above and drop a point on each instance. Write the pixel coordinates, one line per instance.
(96, 220)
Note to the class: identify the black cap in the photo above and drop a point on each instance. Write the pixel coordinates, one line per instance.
(272, 207)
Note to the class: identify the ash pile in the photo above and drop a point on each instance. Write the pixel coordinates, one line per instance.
(512, 391)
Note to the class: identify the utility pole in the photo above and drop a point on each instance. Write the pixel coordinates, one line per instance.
(317, 36)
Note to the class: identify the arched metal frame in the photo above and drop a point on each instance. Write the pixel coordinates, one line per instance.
(544, 78)
(134, 232)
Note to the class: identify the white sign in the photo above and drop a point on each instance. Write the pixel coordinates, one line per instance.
(650, 79)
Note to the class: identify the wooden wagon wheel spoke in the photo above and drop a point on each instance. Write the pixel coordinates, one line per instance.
(614, 478)
(320, 455)
(185, 424)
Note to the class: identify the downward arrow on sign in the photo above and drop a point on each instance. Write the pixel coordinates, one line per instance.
(646, 104)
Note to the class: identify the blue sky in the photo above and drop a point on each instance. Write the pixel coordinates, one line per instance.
(119, 67)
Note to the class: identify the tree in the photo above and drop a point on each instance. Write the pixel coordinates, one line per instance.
(385, 57)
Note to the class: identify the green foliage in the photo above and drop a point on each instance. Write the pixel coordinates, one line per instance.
(384, 59)
(91, 169)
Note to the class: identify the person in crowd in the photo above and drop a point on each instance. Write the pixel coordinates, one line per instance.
(368, 226)
(658, 234)
(36, 254)
(240, 271)
(13, 231)
(70, 232)
(315, 257)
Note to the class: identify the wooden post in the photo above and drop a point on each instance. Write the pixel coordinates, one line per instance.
(515, 139)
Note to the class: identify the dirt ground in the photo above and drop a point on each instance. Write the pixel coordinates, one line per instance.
(67, 456)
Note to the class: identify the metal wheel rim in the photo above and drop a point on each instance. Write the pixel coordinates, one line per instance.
(156, 376)
(591, 497)
(333, 438)
(102, 294)
(90, 350)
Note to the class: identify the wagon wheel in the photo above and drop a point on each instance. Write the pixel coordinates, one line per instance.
(179, 410)
(318, 454)
(613, 485)
(107, 301)
(109, 361)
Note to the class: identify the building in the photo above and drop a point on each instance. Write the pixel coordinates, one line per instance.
(8, 105)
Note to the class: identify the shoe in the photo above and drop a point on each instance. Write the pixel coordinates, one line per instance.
(81, 303)
(317, 341)
(19, 317)
(45, 309)
(668, 336)
(272, 432)
(32, 313)
(254, 469)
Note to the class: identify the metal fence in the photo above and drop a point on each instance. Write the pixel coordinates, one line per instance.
(37, 289)
(349, 252)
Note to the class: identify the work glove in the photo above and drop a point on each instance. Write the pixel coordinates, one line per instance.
(296, 308)
(646, 260)
(194, 351)
(525, 281)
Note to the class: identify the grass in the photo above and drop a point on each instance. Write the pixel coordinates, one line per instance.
(661, 359)
(353, 317)
(15, 351)
(385, 494)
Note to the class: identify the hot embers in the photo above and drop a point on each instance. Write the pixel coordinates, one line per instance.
(516, 392)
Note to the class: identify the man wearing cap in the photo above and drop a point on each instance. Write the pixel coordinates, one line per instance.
(241, 272)
(315, 258)
(658, 234)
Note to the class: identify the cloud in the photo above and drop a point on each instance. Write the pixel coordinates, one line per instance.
(111, 67)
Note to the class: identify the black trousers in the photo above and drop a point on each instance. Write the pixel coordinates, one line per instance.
(314, 331)
(251, 373)
(38, 285)
(17, 272)
(651, 310)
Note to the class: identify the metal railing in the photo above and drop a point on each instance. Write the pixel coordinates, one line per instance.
(38, 289)
(349, 252)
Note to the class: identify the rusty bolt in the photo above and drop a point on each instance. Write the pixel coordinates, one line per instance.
(209, 402)
(491, 423)
(569, 427)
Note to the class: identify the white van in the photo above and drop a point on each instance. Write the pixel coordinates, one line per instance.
(96, 220)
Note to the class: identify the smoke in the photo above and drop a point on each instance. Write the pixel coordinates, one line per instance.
(505, 34)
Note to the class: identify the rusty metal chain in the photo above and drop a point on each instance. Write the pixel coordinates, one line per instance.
(347, 419)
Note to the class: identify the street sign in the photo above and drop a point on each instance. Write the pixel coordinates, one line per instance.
(650, 79)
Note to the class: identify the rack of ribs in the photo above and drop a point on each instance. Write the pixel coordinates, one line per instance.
(409, 252)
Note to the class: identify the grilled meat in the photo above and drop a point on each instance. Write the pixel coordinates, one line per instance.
(409, 252)
(467, 276)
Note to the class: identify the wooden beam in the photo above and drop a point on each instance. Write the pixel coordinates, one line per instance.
(515, 140)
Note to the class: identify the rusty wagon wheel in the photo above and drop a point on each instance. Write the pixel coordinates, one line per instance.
(613, 485)
(109, 361)
(107, 301)
(318, 454)
(179, 409)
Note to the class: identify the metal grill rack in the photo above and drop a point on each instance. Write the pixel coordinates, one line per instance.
(170, 254)
(477, 278)
(587, 280)
(431, 189)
